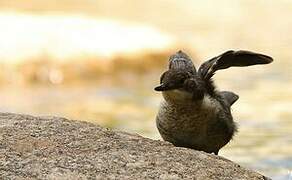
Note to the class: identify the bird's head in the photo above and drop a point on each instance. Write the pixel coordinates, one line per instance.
(180, 86)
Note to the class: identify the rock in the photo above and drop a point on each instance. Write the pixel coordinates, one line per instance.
(54, 148)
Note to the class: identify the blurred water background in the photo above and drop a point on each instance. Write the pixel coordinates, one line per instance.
(98, 61)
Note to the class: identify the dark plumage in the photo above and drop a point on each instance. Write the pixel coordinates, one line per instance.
(193, 113)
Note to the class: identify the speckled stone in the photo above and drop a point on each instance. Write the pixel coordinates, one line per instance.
(57, 148)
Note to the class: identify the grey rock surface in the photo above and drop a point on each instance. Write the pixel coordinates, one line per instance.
(57, 148)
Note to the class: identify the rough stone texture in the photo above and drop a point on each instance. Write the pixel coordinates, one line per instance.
(57, 148)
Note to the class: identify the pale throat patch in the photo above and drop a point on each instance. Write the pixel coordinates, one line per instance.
(177, 95)
(183, 96)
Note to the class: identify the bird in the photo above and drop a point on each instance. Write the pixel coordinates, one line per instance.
(193, 113)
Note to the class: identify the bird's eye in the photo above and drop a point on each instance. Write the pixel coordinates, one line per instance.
(182, 80)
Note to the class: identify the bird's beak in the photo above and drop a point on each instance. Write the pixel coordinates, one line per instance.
(166, 87)
(161, 87)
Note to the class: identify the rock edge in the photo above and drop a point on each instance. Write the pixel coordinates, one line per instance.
(58, 148)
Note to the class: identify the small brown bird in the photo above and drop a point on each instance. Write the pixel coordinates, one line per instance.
(193, 113)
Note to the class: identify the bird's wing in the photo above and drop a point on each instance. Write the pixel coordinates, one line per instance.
(232, 58)
(229, 97)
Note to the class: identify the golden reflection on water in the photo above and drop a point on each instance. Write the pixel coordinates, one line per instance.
(63, 37)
